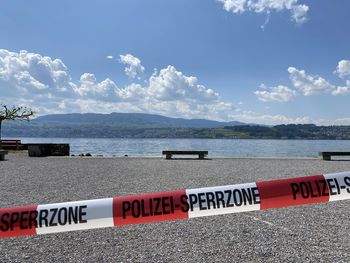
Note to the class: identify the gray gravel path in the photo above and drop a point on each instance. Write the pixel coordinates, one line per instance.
(314, 233)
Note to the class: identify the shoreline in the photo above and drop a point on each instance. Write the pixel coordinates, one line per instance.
(25, 154)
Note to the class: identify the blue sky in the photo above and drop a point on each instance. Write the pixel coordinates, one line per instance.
(262, 61)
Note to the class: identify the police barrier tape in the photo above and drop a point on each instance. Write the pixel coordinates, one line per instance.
(174, 205)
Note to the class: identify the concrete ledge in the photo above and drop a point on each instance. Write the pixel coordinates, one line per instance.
(48, 149)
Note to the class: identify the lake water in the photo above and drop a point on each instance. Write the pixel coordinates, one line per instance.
(216, 147)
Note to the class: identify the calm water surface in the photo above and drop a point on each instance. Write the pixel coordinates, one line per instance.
(216, 147)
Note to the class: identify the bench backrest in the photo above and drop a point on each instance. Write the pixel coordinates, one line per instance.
(334, 153)
(11, 142)
(184, 152)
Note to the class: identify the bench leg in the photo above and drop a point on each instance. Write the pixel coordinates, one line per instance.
(168, 156)
(2, 157)
(201, 156)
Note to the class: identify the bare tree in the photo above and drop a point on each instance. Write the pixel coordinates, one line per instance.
(14, 113)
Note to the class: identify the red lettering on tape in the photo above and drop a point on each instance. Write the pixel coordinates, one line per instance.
(293, 191)
(147, 208)
(18, 221)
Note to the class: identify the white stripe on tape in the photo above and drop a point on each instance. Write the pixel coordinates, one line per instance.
(70, 216)
(223, 200)
(339, 185)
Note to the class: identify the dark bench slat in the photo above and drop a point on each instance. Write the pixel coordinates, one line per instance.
(169, 154)
(11, 141)
(185, 152)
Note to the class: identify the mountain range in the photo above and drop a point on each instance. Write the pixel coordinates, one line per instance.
(138, 120)
(139, 125)
(113, 125)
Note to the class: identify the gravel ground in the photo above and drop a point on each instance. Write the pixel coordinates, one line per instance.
(314, 233)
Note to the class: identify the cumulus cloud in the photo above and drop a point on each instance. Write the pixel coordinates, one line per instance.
(279, 94)
(298, 11)
(172, 93)
(338, 121)
(343, 68)
(46, 85)
(270, 119)
(26, 73)
(134, 68)
(342, 90)
(133, 92)
(309, 84)
(105, 90)
(306, 84)
(314, 84)
(171, 84)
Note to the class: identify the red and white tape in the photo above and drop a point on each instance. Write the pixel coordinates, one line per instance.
(174, 205)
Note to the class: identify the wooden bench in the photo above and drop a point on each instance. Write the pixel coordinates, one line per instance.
(327, 155)
(201, 154)
(11, 144)
(2, 154)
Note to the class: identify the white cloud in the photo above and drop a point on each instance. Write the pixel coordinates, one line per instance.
(253, 117)
(27, 73)
(342, 90)
(171, 84)
(343, 68)
(172, 93)
(270, 119)
(267, 20)
(298, 11)
(24, 79)
(339, 121)
(308, 84)
(279, 94)
(109, 57)
(133, 92)
(46, 85)
(105, 90)
(313, 84)
(134, 68)
(235, 6)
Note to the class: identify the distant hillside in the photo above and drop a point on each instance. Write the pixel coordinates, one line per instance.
(138, 125)
(52, 129)
(139, 120)
(291, 131)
